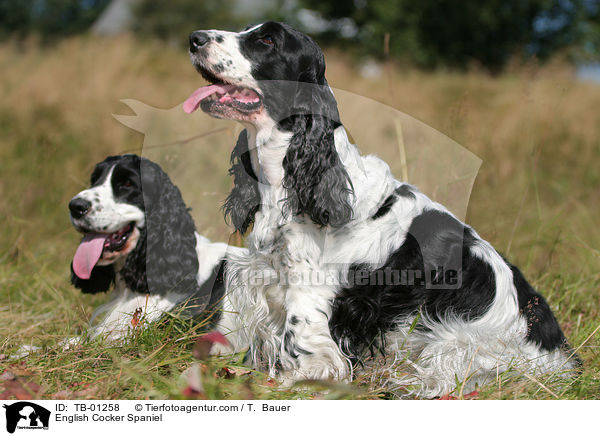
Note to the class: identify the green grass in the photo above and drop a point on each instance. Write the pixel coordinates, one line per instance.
(535, 199)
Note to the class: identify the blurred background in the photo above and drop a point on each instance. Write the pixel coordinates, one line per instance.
(513, 81)
(425, 33)
(516, 82)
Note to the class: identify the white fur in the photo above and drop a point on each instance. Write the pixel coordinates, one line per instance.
(105, 213)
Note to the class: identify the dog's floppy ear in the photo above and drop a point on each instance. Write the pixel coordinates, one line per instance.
(317, 184)
(100, 279)
(165, 258)
(243, 201)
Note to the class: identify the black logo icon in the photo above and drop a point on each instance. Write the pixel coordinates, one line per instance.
(26, 415)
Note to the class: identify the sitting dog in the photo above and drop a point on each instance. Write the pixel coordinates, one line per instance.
(404, 278)
(139, 235)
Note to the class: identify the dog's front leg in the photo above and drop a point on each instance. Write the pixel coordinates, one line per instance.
(230, 326)
(308, 351)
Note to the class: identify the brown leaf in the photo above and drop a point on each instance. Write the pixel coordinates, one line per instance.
(20, 369)
(240, 371)
(226, 373)
(19, 389)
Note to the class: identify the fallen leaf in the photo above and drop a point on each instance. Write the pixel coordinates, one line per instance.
(19, 389)
(240, 371)
(20, 369)
(136, 319)
(226, 373)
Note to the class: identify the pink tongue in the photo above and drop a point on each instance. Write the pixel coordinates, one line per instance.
(87, 255)
(193, 101)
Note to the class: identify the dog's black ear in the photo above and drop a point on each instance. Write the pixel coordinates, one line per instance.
(243, 201)
(317, 184)
(165, 259)
(100, 279)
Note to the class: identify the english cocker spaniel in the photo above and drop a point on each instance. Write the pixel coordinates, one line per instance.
(139, 235)
(345, 261)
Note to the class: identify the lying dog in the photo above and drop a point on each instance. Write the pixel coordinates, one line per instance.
(139, 235)
(436, 295)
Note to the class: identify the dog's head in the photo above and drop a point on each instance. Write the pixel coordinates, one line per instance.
(110, 214)
(270, 70)
(133, 219)
(273, 75)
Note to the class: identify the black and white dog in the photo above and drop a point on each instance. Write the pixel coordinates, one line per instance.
(139, 235)
(344, 260)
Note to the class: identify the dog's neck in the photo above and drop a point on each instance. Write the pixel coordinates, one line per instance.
(268, 146)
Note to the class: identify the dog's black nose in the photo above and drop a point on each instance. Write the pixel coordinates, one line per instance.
(197, 40)
(79, 207)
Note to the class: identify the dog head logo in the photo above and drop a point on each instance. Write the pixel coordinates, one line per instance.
(416, 152)
(186, 145)
(26, 415)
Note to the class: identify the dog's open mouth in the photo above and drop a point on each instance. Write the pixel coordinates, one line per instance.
(96, 246)
(221, 94)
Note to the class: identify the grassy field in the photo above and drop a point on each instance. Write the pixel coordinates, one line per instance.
(536, 130)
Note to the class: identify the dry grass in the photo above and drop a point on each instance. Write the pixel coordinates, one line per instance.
(535, 197)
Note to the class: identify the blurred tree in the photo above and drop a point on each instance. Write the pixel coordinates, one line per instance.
(49, 18)
(174, 20)
(456, 33)
(588, 30)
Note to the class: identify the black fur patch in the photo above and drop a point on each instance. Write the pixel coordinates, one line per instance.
(385, 207)
(404, 191)
(294, 350)
(208, 299)
(542, 327)
(243, 201)
(100, 280)
(415, 278)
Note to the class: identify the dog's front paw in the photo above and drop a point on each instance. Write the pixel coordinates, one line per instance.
(315, 369)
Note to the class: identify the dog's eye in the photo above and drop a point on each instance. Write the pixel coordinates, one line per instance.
(267, 40)
(127, 183)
